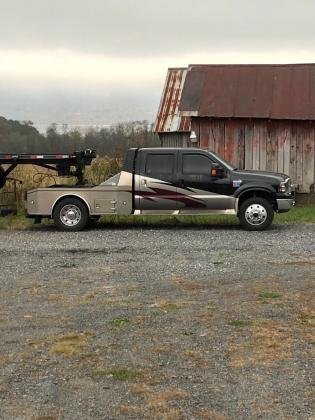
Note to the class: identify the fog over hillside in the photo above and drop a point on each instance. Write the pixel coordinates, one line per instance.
(78, 108)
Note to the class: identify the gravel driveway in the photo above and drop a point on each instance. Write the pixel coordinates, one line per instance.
(159, 323)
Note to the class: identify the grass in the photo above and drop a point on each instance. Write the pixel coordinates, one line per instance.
(307, 318)
(153, 404)
(296, 215)
(15, 222)
(70, 343)
(188, 333)
(267, 342)
(19, 222)
(121, 322)
(168, 395)
(119, 374)
(269, 295)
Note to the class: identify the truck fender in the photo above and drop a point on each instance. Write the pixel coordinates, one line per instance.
(251, 187)
(78, 197)
(251, 190)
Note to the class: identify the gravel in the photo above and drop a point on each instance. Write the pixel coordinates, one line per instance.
(165, 323)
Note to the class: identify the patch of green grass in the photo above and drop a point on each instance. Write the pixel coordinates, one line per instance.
(121, 322)
(239, 323)
(297, 215)
(119, 374)
(15, 222)
(269, 295)
(19, 222)
(188, 333)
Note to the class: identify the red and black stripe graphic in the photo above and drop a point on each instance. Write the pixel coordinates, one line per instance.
(170, 195)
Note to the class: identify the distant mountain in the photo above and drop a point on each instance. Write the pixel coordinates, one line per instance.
(77, 107)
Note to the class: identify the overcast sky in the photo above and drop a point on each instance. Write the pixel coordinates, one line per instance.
(127, 45)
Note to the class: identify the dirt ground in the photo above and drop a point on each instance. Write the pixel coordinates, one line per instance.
(158, 323)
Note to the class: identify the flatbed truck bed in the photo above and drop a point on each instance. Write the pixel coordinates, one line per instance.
(61, 163)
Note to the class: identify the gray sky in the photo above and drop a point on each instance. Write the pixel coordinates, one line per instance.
(147, 28)
(125, 45)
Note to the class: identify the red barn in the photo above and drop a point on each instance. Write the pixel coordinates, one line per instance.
(256, 116)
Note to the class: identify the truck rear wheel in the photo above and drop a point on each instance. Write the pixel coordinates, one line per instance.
(256, 214)
(70, 214)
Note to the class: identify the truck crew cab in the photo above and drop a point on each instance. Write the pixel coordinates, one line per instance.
(175, 181)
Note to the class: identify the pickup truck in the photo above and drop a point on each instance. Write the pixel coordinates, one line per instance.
(175, 181)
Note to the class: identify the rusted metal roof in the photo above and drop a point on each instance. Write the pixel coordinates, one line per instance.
(168, 118)
(252, 91)
(240, 91)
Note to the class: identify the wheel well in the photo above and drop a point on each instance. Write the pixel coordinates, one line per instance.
(64, 197)
(259, 193)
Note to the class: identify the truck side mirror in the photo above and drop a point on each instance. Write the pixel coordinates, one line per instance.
(217, 171)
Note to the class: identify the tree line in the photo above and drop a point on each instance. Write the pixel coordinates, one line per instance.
(23, 137)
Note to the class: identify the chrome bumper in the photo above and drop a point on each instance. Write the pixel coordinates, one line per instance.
(285, 204)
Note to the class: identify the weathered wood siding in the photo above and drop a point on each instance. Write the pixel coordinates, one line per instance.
(268, 145)
(174, 139)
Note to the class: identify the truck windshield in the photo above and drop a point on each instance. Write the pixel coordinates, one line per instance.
(223, 162)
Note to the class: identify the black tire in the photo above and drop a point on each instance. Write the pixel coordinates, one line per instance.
(92, 221)
(256, 214)
(71, 214)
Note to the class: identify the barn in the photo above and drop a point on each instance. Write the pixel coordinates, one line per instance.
(258, 117)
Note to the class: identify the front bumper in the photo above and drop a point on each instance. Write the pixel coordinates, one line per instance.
(285, 204)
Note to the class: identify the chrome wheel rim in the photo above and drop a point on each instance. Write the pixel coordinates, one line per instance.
(255, 214)
(70, 215)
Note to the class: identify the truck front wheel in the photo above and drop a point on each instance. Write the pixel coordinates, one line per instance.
(70, 214)
(256, 214)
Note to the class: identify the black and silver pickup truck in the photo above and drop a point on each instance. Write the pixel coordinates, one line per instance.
(175, 181)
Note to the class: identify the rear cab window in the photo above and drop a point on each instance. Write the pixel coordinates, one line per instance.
(159, 165)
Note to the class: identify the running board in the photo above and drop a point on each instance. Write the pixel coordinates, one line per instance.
(183, 212)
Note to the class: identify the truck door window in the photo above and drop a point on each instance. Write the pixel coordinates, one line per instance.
(159, 165)
(194, 164)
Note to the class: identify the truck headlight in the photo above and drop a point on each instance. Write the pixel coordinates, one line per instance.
(285, 186)
(282, 187)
